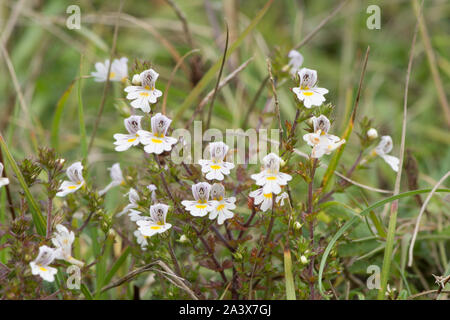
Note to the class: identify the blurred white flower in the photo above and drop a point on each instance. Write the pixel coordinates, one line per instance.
(372, 133)
(144, 94)
(307, 91)
(76, 181)
(3, 181)
(125, 141)
(295, 62)
(221, 206)
(118, 72)
(271, 179)
(116, 177)
(157, 222)
(322, 142)
(63, 240)
(40, 266)
(216, 168)
(152, 189)
(156, 141)
(262, 199)
(133, 198)
(201, 206)
(384, 147)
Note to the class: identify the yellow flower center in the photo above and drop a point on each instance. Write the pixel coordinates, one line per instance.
(308, 93)
(156, 140)
(112, 75)
(42, 269)
(271, 178)
(200, 206)
(215, 167)
(131, 140)
(220, 207)
(267, 195)
(155, 227)
(144, 94)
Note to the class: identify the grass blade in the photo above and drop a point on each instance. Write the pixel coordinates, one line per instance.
(288, 277)
(114, 269)
(354, 219)
(394, 206)
(86, 292)
(36, 213)
(208, 77)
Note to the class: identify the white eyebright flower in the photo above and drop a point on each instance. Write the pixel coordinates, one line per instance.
(307, 91)
(63, 240)
(40, 266)
(156, 141)
(271, 179)
(119, 70)
(116, 177)
(76, 180)
(215, 168)
(384, 147)
(201, 206)
(221, 206)
(144, 94)
(125, 141)
(3, 181)
(322, 142)
(156, 223)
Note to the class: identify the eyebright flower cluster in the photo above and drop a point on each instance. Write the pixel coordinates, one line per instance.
(62, 240)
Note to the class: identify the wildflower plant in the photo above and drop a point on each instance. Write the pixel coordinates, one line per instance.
(151, 205)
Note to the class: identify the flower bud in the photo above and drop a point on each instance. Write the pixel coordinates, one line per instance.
(136, 80)
(304, 259)
(372, 133)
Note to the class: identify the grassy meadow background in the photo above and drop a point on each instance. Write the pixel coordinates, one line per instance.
(46, 57)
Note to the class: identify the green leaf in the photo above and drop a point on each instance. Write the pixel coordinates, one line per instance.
(288, 277)
(38, 218)
(86, 292)
(209, 76)
(83, 139)
(349, 223)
